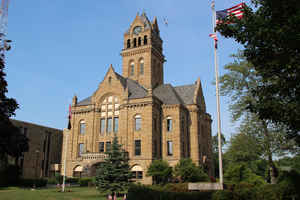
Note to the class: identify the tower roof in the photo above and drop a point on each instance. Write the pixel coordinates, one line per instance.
(143, 19)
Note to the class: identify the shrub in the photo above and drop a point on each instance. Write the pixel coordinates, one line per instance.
(72, 180)
(137, 192)
(9, 176)
(86, 181)
(160, 171)
(33, 182)
(52, 181)
(189, 172)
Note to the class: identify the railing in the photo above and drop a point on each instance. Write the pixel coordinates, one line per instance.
(92, 156)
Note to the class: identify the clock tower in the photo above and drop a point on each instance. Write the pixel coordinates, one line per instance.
(142, 53)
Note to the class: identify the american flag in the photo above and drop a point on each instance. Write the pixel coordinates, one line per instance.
(236, 11)
(214, 36)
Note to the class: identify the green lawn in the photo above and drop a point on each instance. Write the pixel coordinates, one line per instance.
(76, 193)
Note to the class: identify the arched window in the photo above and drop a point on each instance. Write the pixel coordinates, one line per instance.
(109, 80)
(82, 127)
(134, 42)
(128, 43)
(109, 119)
(142, 66)
(137, 172)
(145, 40)
(169, 124)
(131, 68)
(139, 41)
(138, 122)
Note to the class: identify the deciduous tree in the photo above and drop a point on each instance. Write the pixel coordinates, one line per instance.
(270, 35)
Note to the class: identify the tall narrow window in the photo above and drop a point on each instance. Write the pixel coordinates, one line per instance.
(137, 147)
(142, 67)
(108, 146)
(170, 148)
(101, 147)
(82, 127)
(109, 125)
(138, 122)
(169, 124)
(80, 149)
(131, 68)
(134, 42)
(128, 43)
(145, 40)
(102, 126)
(116, 124)
(25, 131)
(139, 41)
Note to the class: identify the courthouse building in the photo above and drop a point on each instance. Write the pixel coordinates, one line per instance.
(152, 119)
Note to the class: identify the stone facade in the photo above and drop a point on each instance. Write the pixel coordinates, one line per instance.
(152, 120)
(45, 148)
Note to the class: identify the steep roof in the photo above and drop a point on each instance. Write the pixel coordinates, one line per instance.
(186, 93)
(166, 93)
(135, 90)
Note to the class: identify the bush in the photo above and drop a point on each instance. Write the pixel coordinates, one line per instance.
(58, 177)
(246, 191)
(189, 172)
(72, 180)
(137, 192)
(9, 176)
(52, 181)
(86, 181)
(33, 182)
(160, 171)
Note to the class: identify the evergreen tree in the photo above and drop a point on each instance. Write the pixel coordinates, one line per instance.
(12, 142)
(113, 175)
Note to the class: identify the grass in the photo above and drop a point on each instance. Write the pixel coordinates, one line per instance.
(76, 193)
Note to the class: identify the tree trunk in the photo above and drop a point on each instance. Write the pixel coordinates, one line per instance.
(273, 170)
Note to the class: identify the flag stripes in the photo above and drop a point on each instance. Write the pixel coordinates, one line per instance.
(236, 11)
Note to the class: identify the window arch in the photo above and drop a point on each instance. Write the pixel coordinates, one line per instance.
(82, 127)
(142, 66)
(145, 39)
(169, 124)
(137, 122)
(134, 42)
(131, 68)
(139, 41)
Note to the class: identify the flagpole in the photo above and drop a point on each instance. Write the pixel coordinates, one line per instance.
(65, 161)
(218, 98)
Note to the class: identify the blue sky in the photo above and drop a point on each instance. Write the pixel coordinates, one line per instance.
(63, 47)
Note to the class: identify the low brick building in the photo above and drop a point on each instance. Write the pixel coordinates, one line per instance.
(45, 148)
(152, 120)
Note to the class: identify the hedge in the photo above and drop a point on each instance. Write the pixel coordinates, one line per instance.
(138, 192)
(33, 182)
(86, 181)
